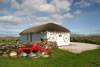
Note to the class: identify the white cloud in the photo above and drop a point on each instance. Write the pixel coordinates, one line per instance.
(8, 32)
(36, 5)
(20, 13)
(15, 4)
(11, 24)
(10, 20)
(62, 4)
(54, 18)
(32, 6)
(87, 3)
(54, 9)
(42, 19)
(29, 10)
(58, 16)
(68, 15)
(13, 27)
(5, 12)
(95, 1)
(77, 12)
(46, 8)
(60, 19)
(39, 20)
(83, 3)
(3, 2)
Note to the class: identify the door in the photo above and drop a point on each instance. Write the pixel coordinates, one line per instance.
(60, 40)
(31, 37)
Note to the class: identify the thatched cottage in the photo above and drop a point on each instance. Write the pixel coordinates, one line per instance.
(53, 31)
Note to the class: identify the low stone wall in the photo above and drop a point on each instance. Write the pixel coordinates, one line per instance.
(11, 49)
(6, 49)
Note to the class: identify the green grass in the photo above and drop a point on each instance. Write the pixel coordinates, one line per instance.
(59, 59)
(7, 41)
(87, 39)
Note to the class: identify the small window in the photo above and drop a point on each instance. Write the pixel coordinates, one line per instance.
(60, 35)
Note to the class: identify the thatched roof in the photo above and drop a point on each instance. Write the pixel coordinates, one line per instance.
(45, 27)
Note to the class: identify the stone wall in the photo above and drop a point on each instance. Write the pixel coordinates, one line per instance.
(11, 49)
(6, 49)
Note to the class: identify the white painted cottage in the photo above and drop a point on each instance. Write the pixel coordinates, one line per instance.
(53, 31)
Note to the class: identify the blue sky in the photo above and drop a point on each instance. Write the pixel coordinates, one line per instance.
(79, 16)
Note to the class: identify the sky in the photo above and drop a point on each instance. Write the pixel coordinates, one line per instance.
(79, 16)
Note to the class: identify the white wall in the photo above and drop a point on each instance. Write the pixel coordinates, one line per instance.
(35, 37)
(59, 39)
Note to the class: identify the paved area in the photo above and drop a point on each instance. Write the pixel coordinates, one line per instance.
(77, 47)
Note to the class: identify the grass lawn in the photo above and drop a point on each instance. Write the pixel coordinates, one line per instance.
(87, 39)
(8, 40)
(59, 59)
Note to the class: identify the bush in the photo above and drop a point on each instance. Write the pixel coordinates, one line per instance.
(50, 43)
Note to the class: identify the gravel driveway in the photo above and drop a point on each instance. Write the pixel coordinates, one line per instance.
(77, 47)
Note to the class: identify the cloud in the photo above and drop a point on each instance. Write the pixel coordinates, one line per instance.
(10, 20)
(54, 18)
(77, 12)
(54, 10)
(42, 6)
(22, 13)
(11, 23)
(83, 3)
(4, 12)
(13, 27)
(62, 4)
(86, 3)
(34, 12)
(3, 2)
(60, 19)
(46, 8)
(42, 19)
(68, 15)
(15, 4)
(8, 32)
(95, 1)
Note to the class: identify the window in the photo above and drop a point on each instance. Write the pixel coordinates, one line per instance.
(60, 35)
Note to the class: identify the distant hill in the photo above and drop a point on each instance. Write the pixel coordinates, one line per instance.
(77, 34)
(72, 34)
(94, 35)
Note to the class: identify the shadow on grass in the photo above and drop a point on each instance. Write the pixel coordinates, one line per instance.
(97, 64)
